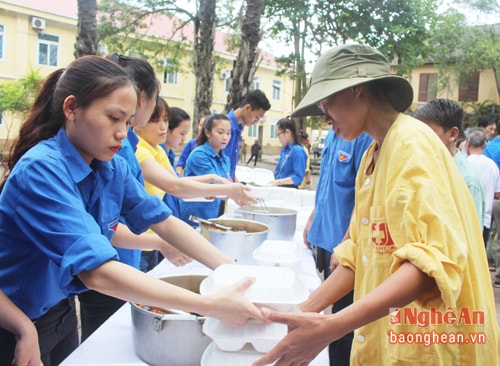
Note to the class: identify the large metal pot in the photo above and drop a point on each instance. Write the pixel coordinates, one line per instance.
(240, 242)
(282, 222)
(171, 338)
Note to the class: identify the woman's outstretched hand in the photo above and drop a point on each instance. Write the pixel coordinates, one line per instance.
(305, 339)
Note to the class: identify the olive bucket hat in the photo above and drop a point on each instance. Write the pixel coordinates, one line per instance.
(345, 66)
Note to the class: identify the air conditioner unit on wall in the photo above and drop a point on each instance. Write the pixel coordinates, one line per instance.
(225, 75)
(37, 23)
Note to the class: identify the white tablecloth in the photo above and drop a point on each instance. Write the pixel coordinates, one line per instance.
(111, 344)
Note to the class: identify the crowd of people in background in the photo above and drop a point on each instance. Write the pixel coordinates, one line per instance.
(414, 240)
(402, 218)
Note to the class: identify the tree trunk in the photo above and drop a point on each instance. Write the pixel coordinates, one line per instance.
(300, 78)
(87, 39)
(204, 63)
(245, 65)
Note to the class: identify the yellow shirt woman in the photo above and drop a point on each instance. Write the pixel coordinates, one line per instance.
(438, 231)
(145, 151)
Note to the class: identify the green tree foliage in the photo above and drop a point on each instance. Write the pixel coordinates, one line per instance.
(398, 28)
(292, 24)
(485, 6)
(125, 29)
(17, 97)
(460, 49)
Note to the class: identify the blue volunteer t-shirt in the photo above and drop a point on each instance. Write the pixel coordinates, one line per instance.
(57, 216)
(335, 189)
(204, 160)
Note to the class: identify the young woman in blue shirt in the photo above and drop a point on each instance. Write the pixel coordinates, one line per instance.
(208, 158)
(291, 167)
(95, 308)
(189, 147)
(61, 199)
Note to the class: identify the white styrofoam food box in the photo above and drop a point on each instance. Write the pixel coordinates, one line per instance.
(263, 337)
(278, 288)
(281, 253)
(213, 356)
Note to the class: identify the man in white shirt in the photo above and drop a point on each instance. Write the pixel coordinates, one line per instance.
(445, 117)
(487, 170)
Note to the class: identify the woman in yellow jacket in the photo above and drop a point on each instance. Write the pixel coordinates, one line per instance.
(414, 254)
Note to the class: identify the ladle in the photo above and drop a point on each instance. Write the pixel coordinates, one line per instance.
(209, 223)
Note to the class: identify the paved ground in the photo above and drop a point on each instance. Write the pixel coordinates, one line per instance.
(269, 162)
(496, 290)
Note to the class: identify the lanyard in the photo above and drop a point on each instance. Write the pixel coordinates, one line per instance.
(284, 162)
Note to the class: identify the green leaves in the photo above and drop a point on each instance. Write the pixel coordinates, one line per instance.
(18, 96)
(461, 49)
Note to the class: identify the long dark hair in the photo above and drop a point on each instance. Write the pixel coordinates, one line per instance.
(87, 78)
(208, 125)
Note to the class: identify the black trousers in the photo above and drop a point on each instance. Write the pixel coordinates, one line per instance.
(95, 309)
(251, 157)
(340, 350)
(486, 236)
(57, 335)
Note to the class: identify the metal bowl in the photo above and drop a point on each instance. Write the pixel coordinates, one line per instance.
(170, 338)
(282, 222)
(240, 242)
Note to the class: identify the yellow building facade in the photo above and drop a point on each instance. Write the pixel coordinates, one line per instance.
(31, 38)
(481, 87)
(41, 35)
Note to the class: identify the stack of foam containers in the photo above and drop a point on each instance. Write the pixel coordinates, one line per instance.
(277, 288)
(278, 253)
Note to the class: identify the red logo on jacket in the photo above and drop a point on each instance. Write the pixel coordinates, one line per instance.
(381, 237)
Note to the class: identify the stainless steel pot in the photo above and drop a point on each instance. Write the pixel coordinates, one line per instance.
(282, 222)
(240, 242)
(174, 338)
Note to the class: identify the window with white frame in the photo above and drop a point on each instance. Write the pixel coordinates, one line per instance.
(273, 133)
(1, 40)
(48, 49)
(226, 76)
(276, 89)
(2, 118)
(256, 82)
(170, 74)
(102, 49)
(252, 131)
